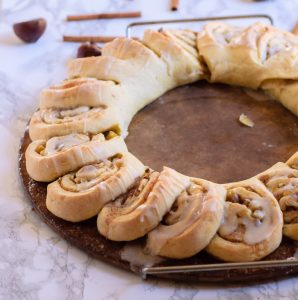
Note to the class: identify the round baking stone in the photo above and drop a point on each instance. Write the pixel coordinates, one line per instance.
(195, 130)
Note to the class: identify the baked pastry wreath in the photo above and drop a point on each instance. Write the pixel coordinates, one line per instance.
(78, 147)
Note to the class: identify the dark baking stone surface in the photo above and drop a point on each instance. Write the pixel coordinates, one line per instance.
(195, 130)
(200, 138)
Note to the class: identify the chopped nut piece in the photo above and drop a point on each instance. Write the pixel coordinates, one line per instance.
(259, 214)
(110, 135)
(245, 120)
(39, 149)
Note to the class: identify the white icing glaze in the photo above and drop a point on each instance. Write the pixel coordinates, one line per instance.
(55, 116)
(129, 170)
(170, 182)
(89, 176)
(74, 112)
(255, 215)
(135, 255)
(88, 172)
(57, 144)
(192, 204)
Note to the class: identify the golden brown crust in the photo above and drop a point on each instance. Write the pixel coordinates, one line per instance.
(260, 52)
(77, 200)
(291, 231)
(48, 167)
(76, 92)
(48, 123)
(249, 209)
(192, 222)
(133, 217)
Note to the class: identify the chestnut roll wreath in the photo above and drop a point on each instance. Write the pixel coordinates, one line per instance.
(77, 144)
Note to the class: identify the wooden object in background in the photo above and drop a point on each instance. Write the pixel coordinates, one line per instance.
(174, 5)
(116, 15)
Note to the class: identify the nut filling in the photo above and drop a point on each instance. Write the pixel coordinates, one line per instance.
(137, 195)
(284, 186)
(245, 211)
(134, 214)
(90, 175)
(62, 143)
(252, 224)
(191, 223)
(58, 116)
(185, 202)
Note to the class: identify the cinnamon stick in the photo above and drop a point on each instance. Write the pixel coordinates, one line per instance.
(116, 15)
(295, 29)
(90, 38)
(174, 5)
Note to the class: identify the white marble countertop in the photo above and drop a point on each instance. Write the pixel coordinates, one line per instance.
(35, 263)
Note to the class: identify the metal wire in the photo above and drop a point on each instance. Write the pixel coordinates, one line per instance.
(218, 267)
(160, 22)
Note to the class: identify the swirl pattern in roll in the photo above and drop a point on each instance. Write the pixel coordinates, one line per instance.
(63, 154)
(77, 92)
(136, 213)
(252, 225)
(47, 123)
(81, 195)
(191, 223)
(282, 181)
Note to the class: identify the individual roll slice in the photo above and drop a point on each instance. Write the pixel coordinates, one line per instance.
(293, 161)
(81, 195)
(282, 181)
(252, 225)
(47, 123)
(191, 223)
(48, 160)
(76, 92)
(143, 207)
